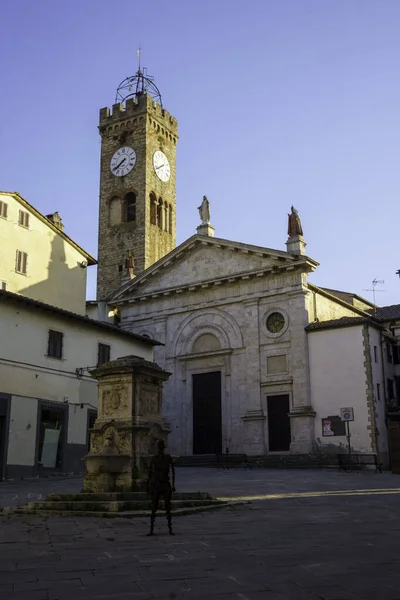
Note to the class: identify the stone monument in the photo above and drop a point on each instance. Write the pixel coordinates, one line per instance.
(128, 425)
(295, 243)
(204, 212)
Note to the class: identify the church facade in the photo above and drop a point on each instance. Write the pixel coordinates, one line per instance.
(235, 319)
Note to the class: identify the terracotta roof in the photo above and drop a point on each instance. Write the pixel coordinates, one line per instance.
(342, 322)
(68, 315)
(386, 313)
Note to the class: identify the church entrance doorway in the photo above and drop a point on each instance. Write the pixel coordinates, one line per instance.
(207, 421)
(278, 423)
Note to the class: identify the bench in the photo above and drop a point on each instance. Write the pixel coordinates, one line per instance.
(349, 461)
(226, 461)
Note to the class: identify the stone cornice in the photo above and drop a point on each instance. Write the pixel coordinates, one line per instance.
(207, 354)
(293, 262)
(195, 287)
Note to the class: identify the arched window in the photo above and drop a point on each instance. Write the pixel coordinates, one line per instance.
(130, 207)
(166, 216)
(115, 211)
(160, 216)
(153, 209)
(170, 220)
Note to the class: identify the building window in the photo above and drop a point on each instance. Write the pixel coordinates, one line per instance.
(396, 355)
(130, 207)
(153, 209)
(103, 354)
(378, 391)
(389, 353)
(390, 389)
(55, 344)
(3, 285)
(160, 208)
(170, 220)
(376, 354)
(21, 262)
(23, 219)
(52, 428)
(3, 210)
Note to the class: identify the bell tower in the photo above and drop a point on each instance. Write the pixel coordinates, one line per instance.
(137, 212)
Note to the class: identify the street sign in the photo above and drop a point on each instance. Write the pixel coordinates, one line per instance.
(347, 414)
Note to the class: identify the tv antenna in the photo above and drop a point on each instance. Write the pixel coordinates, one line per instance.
(375, 282)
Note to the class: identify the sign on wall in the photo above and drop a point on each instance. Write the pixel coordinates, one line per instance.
(347, 414)
(333, 426)
(327, 427)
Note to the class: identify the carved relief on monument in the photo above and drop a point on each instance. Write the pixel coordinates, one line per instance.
(114, 401)
(148, 400)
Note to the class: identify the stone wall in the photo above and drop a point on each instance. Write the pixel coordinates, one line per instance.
(145, 127)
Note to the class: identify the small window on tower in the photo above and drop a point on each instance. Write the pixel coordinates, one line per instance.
(160, 208)
(130, 207)
(153, 209)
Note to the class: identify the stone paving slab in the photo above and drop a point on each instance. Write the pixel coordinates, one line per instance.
(324, 547)
(236, 482)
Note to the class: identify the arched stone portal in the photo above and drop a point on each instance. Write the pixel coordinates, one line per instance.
(202, 348)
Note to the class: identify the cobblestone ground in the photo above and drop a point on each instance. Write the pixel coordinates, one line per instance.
(341, 542)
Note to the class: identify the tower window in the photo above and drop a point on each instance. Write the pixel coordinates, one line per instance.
(153, 209)
(160, 215)
(115, 211)
(170, 220)
(130, 207)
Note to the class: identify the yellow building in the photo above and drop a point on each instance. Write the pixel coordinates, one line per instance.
(37, 259)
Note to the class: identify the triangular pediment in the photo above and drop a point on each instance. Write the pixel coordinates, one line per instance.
(202, 260)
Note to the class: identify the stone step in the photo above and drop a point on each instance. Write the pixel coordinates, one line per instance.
(122, 515)
(122, 497)
(113, 506)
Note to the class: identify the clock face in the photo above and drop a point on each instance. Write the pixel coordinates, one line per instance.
(275, 322)
(123, 161)
(161, 166)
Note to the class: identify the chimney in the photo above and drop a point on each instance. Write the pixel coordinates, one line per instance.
(56, 220)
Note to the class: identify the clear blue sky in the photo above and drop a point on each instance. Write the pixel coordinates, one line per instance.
(278, 102)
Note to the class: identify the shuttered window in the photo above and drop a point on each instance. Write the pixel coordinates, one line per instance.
(55, 344)
(103, 354)
(3, 210)
(23, 218)
(21, 262)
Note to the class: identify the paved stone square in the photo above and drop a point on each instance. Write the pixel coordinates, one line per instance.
(306, 535)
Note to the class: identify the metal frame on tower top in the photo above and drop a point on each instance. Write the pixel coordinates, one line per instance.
(135, 86)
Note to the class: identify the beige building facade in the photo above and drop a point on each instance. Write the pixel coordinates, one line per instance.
(48, 399)
(37, 259)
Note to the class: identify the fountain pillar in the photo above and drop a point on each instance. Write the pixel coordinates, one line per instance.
(128, 425)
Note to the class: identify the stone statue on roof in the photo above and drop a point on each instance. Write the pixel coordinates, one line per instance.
(204, 211)
(294, 224)
(130, 264)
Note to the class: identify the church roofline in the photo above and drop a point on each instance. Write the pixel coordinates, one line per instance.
(351, 294)
(46, 221)
(282, 257)
(331, 296)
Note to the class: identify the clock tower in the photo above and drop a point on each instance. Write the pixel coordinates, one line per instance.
(137, 213)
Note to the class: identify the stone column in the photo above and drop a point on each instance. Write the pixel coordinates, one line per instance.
(253, 418)
(128, 425)
(302, 414)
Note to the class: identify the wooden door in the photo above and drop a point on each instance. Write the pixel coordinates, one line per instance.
(207, 422)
